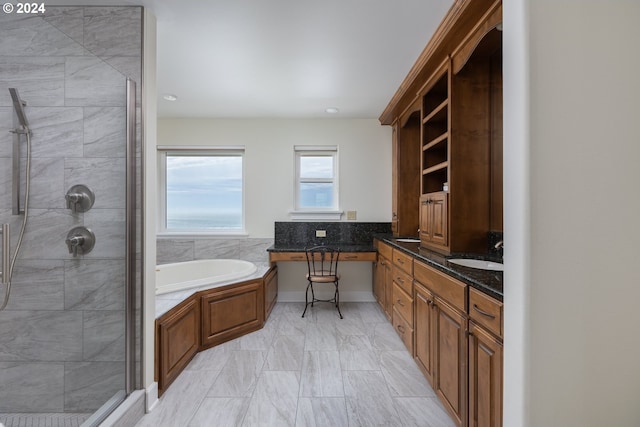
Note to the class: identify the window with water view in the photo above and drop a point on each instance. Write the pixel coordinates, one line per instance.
(204, 191)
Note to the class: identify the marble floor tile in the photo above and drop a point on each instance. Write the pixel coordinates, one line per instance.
(239, 375)
(314, 371)
(359, 360)
(372, 411)
(181, 401)
(403, 376)
(365, 383)
(321, 337)
(385, 338)
(260, 340)
(214, 358)
(220, 412)
(321, 374)
(274, 401)
(322, 412)
(354, 343)
(422, 412)
(285, 354)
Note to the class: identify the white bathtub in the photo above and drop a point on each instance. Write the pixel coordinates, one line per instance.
(192, 274)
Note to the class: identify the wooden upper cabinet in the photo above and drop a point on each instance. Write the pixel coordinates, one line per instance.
(458, 83)
(405, 182)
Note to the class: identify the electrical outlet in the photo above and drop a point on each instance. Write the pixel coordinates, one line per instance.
(352, 215)
(321, 233)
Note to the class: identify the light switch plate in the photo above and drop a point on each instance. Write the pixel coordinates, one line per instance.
(352, 215)
(321, 233)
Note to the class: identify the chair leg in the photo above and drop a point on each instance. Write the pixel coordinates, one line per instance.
(337, 298)
(306, 299)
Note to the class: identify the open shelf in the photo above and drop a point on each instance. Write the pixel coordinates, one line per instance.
(438, 114)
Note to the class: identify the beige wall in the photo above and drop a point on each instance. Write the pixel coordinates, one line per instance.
(364, 155)
(572, 203)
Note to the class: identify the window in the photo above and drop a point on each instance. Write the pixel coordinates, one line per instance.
(202, 191)
(316, 185)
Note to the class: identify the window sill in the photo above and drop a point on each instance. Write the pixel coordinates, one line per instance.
(201, 234)
(315, 215)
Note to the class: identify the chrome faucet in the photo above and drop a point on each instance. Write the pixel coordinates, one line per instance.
(499, 245)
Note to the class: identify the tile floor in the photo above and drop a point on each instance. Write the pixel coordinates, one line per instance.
(317, 371)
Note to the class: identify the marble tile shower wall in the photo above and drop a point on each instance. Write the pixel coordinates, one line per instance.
(180, 250)
(62, 335)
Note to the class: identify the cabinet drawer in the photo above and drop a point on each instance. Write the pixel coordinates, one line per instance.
(404, 330)
(287, 256)
(485, 311)
(404, 280)
(385, 250)
(447, 288)
(403, 261)
(403, 303)
(357, 256)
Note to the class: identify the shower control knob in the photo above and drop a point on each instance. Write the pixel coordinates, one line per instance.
(80, 241)
(80, 198)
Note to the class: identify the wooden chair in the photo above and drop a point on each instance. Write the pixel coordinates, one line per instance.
(322, 263)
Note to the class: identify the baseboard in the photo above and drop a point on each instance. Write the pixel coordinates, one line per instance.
(345, 296)
(151, 397)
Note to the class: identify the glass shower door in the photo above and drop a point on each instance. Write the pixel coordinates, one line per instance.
(66, 349)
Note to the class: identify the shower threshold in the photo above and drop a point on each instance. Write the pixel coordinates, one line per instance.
(43, 419)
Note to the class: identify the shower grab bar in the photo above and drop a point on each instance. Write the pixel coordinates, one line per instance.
(6, 241)
(15, 188)
(20, 127)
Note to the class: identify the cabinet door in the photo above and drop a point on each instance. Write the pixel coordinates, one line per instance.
(378, 281)
(177, 341)
(425, 219)
(423, 331)
(231, 312)
(485, 378)
(438, 218)
(388, 289)
(270, 291)
(451, 360)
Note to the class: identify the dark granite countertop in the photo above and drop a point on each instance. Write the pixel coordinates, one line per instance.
(489, 282)
(343, 248)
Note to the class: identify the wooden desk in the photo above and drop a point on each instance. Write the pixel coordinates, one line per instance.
(300, 256)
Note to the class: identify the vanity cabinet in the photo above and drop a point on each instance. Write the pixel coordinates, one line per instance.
(450, 349)
(383, 281)
(231, 311)
(177, 341)
(485, 360)
(424, 331)
(441, 341)
(402, 296)
(485, 378)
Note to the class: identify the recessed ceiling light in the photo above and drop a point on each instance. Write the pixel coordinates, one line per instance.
(169, 97)
(331, 110)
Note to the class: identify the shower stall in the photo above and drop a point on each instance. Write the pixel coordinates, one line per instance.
(70, 209)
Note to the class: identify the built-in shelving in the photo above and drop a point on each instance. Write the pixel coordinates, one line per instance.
(435, 131)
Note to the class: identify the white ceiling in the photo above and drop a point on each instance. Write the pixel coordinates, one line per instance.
(286, 58)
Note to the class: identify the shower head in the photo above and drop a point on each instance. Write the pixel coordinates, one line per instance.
(18, 105)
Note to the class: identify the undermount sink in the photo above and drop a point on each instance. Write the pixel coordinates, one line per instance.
(408, 240)
(478, 263)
